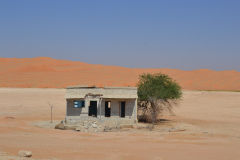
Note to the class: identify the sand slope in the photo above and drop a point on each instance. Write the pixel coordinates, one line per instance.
(43, 72)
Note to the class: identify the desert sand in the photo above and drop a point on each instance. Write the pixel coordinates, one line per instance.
(206, 123)
(43, 72)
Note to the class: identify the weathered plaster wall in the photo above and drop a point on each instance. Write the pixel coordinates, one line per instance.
(115, 95)
(127, 92)
(75, 115)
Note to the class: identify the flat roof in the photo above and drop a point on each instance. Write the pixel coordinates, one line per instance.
(105, 87)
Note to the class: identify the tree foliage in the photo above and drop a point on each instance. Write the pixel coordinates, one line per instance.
(156, 93)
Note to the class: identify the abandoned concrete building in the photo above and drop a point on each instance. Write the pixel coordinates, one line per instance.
(113, 105)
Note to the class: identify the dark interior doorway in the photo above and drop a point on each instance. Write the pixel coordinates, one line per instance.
(92, 110)
(107, 109)
(122, 109)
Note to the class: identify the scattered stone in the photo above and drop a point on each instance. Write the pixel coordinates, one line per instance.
(100, 129)
(94, 125)
(22, 153)
(78, 129)
(60, 126)
(107, 129)
(176, 130)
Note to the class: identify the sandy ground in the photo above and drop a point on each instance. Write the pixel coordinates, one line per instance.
(206, 127)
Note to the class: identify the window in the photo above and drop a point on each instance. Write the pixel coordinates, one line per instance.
(79, 104)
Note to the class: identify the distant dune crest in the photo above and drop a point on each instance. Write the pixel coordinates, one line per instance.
(45, 72)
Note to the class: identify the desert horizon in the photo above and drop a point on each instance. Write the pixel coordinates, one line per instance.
(45, 72)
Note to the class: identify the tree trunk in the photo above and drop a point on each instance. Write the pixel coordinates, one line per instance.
(153, 112)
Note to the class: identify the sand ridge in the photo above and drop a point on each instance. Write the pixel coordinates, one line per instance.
(44, 72)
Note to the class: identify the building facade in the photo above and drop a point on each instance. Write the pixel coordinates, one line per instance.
(113, 105)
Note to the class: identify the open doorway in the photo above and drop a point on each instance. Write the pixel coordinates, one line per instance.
(107, 109)
(92, 110)
(122, 109)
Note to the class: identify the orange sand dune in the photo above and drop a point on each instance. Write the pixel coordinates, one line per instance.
(43, 72)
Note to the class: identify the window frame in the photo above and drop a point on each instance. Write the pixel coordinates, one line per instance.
(78, 103)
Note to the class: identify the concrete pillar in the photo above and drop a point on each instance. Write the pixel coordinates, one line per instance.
(136, 110)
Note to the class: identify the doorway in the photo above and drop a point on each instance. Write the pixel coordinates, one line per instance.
(122, 109)
(107, 109)
(92, 110)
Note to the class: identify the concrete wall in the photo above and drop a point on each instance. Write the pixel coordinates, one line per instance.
(76, 115)
(111, 92)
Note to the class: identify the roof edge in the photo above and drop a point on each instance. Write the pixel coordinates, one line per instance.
(105, 87)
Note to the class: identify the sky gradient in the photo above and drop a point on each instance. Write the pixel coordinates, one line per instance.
(132, 33)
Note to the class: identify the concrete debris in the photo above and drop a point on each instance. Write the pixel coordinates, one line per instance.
(23, 153)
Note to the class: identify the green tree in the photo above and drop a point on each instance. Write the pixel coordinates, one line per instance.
(156, 93)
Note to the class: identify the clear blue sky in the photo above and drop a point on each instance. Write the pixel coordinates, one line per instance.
(183, 34)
